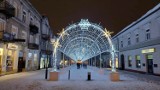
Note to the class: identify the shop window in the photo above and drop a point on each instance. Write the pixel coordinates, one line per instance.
(1, 54)
(148, 35)
(10, 60)
(138, 61)
(129, 61)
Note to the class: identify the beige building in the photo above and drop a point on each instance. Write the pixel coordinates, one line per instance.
(20, 32)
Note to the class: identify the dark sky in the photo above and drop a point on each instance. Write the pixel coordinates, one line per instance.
(112, 14)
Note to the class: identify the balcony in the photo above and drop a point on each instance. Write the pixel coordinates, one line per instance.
(45, 37)
(47, 52)
(33, 46)
(8, 37)
(33, 29)
(7, 9)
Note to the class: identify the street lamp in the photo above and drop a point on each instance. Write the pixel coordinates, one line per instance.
(56, 44)
(114, 76)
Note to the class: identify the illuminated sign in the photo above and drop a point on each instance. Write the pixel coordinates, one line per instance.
(12, 46)
(148, 50)
(1, 51)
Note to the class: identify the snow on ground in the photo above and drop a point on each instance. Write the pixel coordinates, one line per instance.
(100, 81)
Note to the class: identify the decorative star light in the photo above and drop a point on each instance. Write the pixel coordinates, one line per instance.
(63, 33)
(107, 33)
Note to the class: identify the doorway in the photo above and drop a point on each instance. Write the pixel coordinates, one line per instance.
(122, 62)
(20, 64)
(150, 63)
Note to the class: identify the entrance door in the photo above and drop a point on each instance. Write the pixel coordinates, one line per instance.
(150, 64)
(0, 64)
(20, 64)
(122, 62)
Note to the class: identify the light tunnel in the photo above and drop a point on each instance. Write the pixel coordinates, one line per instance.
(83, 41)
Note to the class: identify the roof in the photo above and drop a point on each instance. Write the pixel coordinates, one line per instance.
(150, 12)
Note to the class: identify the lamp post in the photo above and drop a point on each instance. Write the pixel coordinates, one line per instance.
(114, 76)
(46, 66)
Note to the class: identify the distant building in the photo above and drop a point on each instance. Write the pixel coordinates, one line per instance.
(139, 44)
(46, 51)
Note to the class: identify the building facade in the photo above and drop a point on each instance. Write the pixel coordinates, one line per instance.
(20, 35)
(139, 44)
(46, 54)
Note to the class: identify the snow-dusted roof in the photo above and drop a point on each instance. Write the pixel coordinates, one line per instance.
(150, 12)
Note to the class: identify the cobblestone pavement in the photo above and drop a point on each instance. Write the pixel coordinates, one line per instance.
(100, 80)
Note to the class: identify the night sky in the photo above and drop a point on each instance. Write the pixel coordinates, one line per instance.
(111, 14)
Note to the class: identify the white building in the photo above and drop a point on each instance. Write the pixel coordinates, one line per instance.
(139, 44)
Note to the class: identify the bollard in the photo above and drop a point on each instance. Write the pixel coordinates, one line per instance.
(89, 76)
(69, 75)
(46, 73)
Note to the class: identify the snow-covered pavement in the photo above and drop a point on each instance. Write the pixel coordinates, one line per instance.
(78, 81)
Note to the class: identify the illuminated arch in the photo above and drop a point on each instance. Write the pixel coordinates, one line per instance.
(84, 40)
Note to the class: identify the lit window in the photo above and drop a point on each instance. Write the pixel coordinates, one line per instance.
(129, 61)
(148, 35)
(138, 61)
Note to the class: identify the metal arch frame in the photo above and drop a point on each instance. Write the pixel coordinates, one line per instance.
(82, 58)
(89, 49)
(112, 49)
(78, 38)
(88, 35)
(95, 41)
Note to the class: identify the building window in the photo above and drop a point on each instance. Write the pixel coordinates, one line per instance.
(31, 39)
(2, 25)
(121, 43)
(148, 35)
(137, 38)
(14, 31)
(24, 36)
(24, 16)
(31, 19)
(129, 61)
(138, 61)
(129, 41)
(16, 9)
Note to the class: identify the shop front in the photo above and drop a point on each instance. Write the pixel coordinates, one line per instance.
(1, 56)
(11, 58)
(43, 61)
(32, 60)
